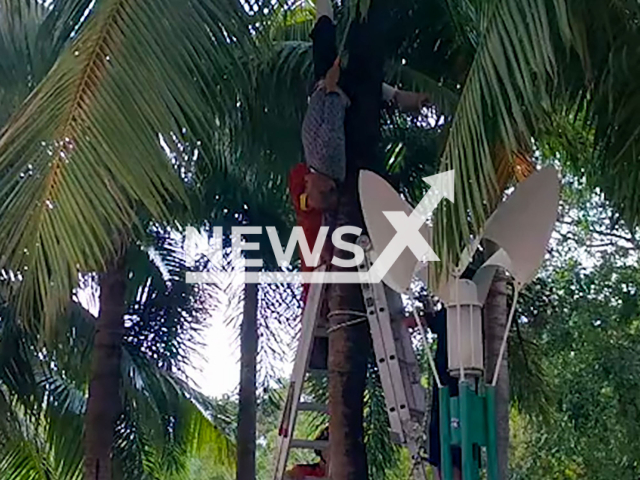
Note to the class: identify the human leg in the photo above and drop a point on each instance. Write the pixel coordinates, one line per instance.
(323, 36)
(361, 80)
(333, 163)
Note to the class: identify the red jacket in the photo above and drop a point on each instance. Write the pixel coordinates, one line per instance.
(308, 218)
(312, 470)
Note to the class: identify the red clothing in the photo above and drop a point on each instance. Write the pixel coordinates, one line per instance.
(309, 219)
(312, 470)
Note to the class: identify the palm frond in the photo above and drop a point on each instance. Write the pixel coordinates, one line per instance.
(43, 425)
(382, 454)
(44, 387)
(126, 78)
(506, 90)
(32, 35)
(167, 419)
(534, 59)
(603, 99)
(165, 314)
(289, 21)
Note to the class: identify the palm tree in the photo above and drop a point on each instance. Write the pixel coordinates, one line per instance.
(240, 202)
(74, 90)
(160, 421)
(61, 230)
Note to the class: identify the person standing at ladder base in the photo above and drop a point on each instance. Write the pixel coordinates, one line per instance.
(315, 184)
(319, 469)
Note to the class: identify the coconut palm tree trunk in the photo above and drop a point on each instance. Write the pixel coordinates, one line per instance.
(349, 347)
(247, 400)
(348, 357)
(496, 315)
(104, 402)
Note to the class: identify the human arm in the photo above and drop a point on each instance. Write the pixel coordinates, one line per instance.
(406, 101)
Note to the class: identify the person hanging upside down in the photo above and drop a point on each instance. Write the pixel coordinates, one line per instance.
(314, 185)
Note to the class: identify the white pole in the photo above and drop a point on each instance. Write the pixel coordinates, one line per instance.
(426, 344)
(516, 289)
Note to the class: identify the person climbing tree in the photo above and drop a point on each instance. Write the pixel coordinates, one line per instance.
(334, 196)
(314, 185)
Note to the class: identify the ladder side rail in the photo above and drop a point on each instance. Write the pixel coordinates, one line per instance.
(386, 377)
(381, 357)
(416, 393)
(411, 371)
(303, 354)
(395, 341)
(391, 353)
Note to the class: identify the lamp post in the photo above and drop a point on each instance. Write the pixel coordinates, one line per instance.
(467, 420)
(521, 228)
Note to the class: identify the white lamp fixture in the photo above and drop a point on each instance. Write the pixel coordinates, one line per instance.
(521, 227)
(464, 330)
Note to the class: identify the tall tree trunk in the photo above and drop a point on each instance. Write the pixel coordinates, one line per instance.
(348, 358)
(349, 347)
(496, 315)
(247, 401)
(104, 404)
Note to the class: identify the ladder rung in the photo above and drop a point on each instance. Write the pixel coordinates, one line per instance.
(309, 444)
(318, 371)
(313, 407)
(395, 438)
(415, 413)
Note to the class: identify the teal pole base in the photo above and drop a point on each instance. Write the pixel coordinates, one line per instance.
(468, 422)
(446, 465)
(492, 435)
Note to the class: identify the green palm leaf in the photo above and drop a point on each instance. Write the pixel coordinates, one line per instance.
(126, 78)
(534, 61)
(506, 91)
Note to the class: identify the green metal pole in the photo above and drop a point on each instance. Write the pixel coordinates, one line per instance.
(446, 467)
(465, 431)
(492, 450)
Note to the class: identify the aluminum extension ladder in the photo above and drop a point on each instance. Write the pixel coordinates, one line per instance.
(405, 397)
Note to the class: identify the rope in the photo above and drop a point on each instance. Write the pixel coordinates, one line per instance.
(345, 312)
(503, 347)
(347, 323)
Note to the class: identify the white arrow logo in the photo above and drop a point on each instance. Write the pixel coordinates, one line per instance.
(407, 227)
